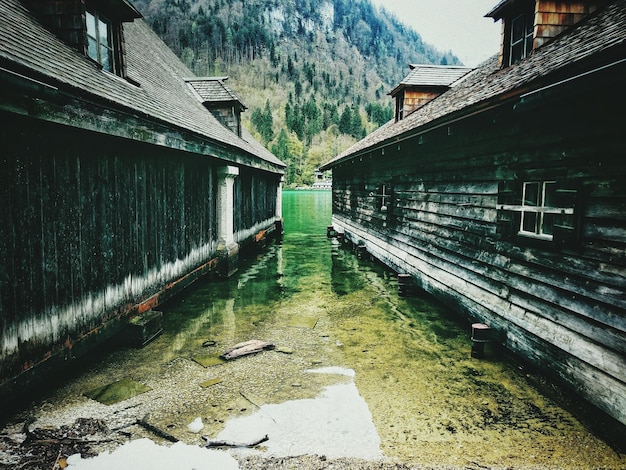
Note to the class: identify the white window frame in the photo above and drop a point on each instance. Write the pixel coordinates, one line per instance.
(539, 210)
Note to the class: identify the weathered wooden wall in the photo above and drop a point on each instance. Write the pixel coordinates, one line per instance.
(560, 306)
(255, 200)
(90, 225)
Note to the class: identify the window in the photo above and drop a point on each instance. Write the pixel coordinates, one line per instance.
(543, 210)
(382, 199)
(538, 209)
(385, 198)
(400, 106)
(521, 36)
(100, 41)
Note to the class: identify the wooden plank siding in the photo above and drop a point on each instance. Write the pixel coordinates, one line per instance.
(88, 234)
(562, 307)
(554, 17)
(255, 198)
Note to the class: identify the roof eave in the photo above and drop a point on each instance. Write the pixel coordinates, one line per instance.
(445, 120)
(498, 11)
(55, 103)
(520, 98)
(124, 10)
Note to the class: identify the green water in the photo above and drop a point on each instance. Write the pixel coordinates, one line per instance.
(430, 401)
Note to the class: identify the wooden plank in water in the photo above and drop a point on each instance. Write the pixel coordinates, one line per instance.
(247, 347)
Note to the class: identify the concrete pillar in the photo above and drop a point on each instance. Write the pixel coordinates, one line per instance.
(227, 248)
(279, 205)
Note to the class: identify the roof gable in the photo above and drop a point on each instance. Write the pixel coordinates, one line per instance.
(425, 75)
(213, 90)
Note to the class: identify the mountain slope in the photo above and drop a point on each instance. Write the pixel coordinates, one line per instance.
(314, 74)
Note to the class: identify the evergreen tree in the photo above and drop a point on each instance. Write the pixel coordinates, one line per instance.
(345, 121)
(264, 122)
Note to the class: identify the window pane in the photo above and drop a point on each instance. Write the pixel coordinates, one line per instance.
(105, 55)
(531, 194)
(517, 29)
(530, 23)
(92, 48)
(547, 224)
(529, 45)
(549, 194)
(529, 222)
(517, 53)
(103, 31)
(91, 25)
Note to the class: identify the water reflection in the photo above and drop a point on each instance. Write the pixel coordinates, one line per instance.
(337, 423)
(424, 397)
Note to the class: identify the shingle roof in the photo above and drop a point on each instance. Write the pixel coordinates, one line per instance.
(432, 76)
(604, 31)
(213, 90)
(162, 95)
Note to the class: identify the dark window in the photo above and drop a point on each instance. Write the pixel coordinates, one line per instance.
(400, 106)
(521, 36)
(543, 210)
(100, 45)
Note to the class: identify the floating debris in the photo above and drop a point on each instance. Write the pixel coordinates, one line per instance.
(155, 430)
(284, 350)
(247, 347)
(210, 382)
(208, 360)
(217, 443)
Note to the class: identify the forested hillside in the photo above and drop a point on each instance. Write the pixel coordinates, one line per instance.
(314, 73)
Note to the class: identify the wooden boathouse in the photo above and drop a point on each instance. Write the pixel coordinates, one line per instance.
(123, 179)
(505, 194)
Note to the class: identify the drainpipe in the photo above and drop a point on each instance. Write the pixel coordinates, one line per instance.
(228, 250)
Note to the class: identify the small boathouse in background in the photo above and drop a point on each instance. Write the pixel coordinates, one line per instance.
(503, 191)
(122, 180)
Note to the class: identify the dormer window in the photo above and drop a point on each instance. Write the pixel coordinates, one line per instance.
(529, 24)
(219, 100)
(424, 83)
(100, 40)
(521, 42)
(518, 31)
(92, 27)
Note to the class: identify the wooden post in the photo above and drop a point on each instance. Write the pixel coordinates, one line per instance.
(406, 286)
(361, 251)
(481, 335)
